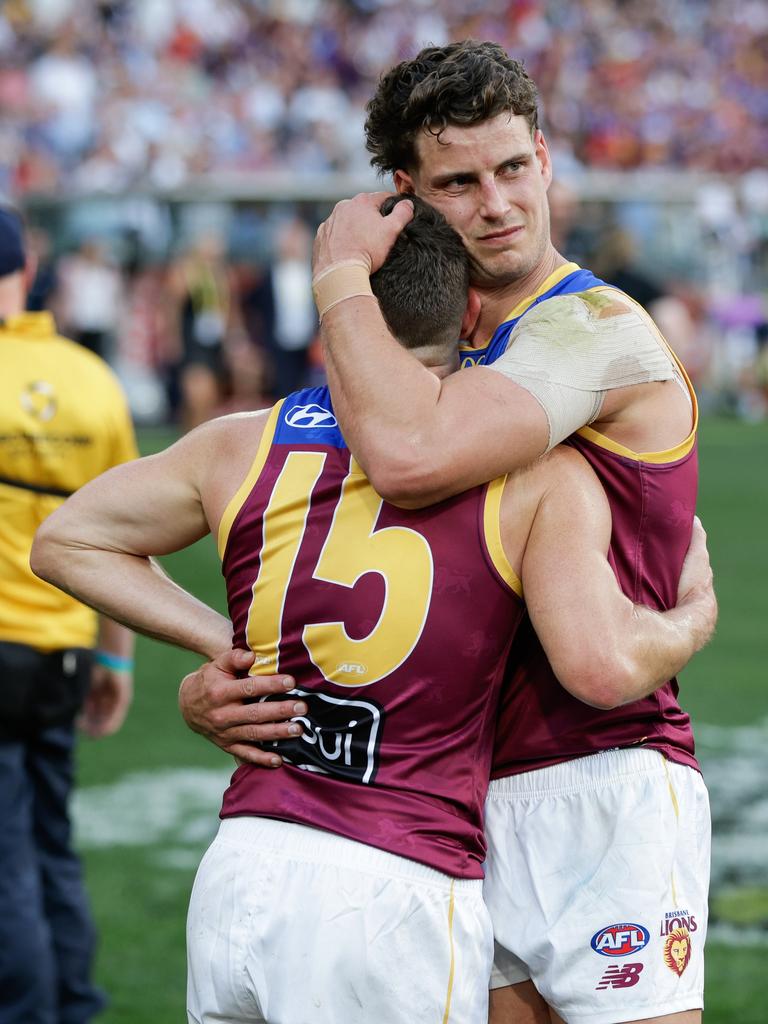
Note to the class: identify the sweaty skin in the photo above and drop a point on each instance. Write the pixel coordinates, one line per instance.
(418, 439)
(555, 531)
(110, 559)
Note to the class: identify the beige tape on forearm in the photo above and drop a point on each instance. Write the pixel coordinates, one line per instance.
(344, 280)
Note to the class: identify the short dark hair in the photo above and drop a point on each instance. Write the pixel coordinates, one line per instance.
(461, 84)
(422, 285)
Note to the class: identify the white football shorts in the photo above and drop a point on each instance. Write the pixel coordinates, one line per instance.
(596, 881)
(292, 925)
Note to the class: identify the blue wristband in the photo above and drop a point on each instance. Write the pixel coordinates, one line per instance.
(114, 661)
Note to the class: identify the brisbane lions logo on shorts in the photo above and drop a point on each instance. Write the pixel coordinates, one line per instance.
(677, 950)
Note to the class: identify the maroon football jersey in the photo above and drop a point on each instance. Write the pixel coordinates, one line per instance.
(652, 499)
(396, 626)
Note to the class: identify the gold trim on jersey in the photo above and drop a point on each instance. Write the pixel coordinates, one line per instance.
(492, 531)
(654, 458)
(554, 278)
(238, 498)
(451, 972)
(676, 809)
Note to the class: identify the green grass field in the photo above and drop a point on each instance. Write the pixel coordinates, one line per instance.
(147, 801)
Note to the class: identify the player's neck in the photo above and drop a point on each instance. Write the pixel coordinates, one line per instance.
(498, 303)
(441, 360)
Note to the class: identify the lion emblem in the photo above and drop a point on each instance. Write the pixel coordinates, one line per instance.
(677, 950)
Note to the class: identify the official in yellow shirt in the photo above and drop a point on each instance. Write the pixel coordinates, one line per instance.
(63, 420)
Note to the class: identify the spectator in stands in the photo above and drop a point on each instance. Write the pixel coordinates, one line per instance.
(615, 261)
(89, 299)
(281, 308)
(623, 85)
(200, 283)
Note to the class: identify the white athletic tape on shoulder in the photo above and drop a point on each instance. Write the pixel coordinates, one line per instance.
(569, 350)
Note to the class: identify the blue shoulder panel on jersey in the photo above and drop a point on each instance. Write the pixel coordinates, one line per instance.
(307, 418)
(579, 281)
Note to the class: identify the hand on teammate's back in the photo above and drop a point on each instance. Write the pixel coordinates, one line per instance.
(696, 584)
(221, 704)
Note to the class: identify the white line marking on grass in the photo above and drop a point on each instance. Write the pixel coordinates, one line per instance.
(177, 811)
(734, 761)
(178, 806)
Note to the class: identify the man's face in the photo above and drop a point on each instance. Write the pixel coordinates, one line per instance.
(490, 182)
(678, 951)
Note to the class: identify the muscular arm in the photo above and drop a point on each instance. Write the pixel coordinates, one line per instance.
(418, 438)
(98, 545)
(604, 649)
(421, 439)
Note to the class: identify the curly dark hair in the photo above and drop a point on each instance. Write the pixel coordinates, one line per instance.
(422, 285)
(461, 84)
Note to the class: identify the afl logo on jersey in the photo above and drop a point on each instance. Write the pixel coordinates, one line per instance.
(308, 417)
(620, 939)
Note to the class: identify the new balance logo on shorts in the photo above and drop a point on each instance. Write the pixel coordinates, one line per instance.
(620, 977)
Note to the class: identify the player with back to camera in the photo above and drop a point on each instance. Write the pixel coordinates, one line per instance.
(348, 885)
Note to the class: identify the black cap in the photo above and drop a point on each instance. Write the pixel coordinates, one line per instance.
(12, 257)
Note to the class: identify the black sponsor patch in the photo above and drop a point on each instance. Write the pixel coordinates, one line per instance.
(341, 736)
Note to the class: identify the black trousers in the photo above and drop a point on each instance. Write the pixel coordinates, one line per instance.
(47, 936)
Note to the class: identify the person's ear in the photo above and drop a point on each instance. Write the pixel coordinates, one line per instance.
(403, 182)
(541, 150)
(471, 313)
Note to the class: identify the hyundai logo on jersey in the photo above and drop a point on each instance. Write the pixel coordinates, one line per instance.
(620, 939)
(307, 417)
(341, 737)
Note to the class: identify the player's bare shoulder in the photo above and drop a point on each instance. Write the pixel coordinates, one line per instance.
(572, 492)
(560, 467)
(228, 433)
(563, 480)
(223, 451)
(558, 490)
(566, 469)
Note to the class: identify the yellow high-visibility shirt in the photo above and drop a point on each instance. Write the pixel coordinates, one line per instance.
(63, 420)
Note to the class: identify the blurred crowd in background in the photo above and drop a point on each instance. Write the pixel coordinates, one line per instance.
(213, 329)
(108, 93)
(208, 308)
(195, 335)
